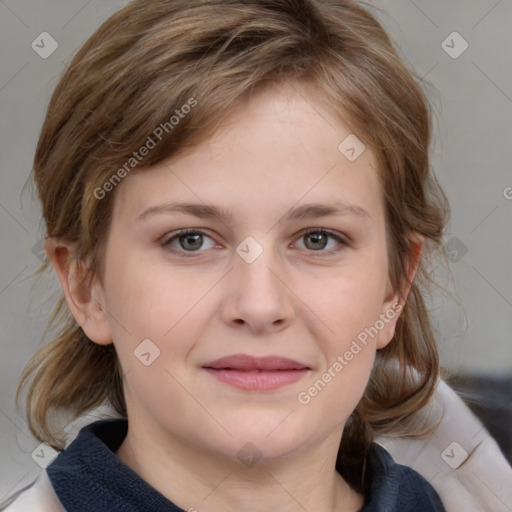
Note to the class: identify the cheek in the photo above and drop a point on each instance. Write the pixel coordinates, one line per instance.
(348, 309)
(344, 306)
(152, 299)
(158, 320)
(166, 308)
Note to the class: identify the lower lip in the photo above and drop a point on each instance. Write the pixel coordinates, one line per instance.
(262, 380)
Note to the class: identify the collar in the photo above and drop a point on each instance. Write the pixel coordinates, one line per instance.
(88, 475)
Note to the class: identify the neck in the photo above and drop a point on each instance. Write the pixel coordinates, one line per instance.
(195, 481)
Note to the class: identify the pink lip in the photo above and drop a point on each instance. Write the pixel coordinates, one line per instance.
(256, 373)
(245, 362)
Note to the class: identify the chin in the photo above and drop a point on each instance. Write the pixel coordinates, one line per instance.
(267, 439)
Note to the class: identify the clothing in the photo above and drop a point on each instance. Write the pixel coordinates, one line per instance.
(88, 476)
(478, 482)
(460, 459)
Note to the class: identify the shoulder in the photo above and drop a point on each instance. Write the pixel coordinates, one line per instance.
(394, 486)
(460, 458)
(39, 497)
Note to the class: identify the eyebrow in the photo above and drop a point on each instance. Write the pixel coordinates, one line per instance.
(307, 211)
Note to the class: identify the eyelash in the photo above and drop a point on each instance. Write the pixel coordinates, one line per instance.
(343, 244)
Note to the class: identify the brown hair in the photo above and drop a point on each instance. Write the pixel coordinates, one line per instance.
(147, 61)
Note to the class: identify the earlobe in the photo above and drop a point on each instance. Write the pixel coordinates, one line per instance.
(395, 303)
(84, 296)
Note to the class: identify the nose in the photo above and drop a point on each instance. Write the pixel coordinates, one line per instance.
(258, 298)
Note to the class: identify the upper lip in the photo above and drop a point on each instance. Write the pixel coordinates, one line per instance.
(245, 362)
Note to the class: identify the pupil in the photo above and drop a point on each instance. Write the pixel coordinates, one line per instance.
(188, 237)
(315, 238)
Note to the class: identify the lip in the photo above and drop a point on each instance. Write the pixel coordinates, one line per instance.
(256, 373)
(244, 362)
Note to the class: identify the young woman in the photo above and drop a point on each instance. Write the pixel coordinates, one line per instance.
(239, 208)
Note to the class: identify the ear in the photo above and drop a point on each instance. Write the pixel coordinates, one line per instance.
(84, 295)
(395, 300)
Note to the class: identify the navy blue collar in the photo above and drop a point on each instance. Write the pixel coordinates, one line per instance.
(88, 476)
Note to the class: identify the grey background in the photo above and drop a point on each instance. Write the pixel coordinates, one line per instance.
(472, 98)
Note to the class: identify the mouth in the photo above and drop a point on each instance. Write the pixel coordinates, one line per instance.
(256, 373)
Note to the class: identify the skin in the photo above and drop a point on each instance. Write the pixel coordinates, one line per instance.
(299, 299)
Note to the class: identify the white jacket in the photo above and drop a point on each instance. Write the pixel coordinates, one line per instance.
(460, 460)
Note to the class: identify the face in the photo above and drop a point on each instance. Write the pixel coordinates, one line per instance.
(291, 264)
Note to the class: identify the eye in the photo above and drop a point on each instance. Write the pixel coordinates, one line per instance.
(192, 241)
(317, 239)
(186, 240)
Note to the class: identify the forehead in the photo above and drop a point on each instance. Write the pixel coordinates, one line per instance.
(281, 148)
